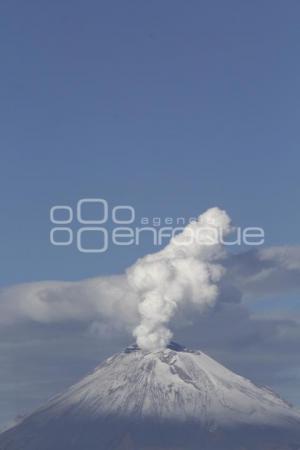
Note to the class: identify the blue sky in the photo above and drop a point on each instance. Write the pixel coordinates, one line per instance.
(171, 107)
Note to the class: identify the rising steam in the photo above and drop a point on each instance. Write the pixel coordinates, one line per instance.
(186, 270)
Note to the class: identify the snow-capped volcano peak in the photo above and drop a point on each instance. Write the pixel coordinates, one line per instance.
(171, 383)
(174, 385)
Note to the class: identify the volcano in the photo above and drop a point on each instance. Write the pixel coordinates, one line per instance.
(172, 399)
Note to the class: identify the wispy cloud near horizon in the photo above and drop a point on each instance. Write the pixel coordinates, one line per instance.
(250, 274)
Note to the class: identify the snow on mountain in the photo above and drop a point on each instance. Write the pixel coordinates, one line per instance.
(171, 386)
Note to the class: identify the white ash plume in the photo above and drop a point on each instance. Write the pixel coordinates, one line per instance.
(186, 270)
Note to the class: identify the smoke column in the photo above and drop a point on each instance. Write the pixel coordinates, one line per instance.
(186, 270)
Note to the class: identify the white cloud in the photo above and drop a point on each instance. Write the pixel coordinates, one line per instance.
(105, 298)
(266, 271)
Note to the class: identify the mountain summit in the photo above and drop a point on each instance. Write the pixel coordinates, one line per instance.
(172, 399)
